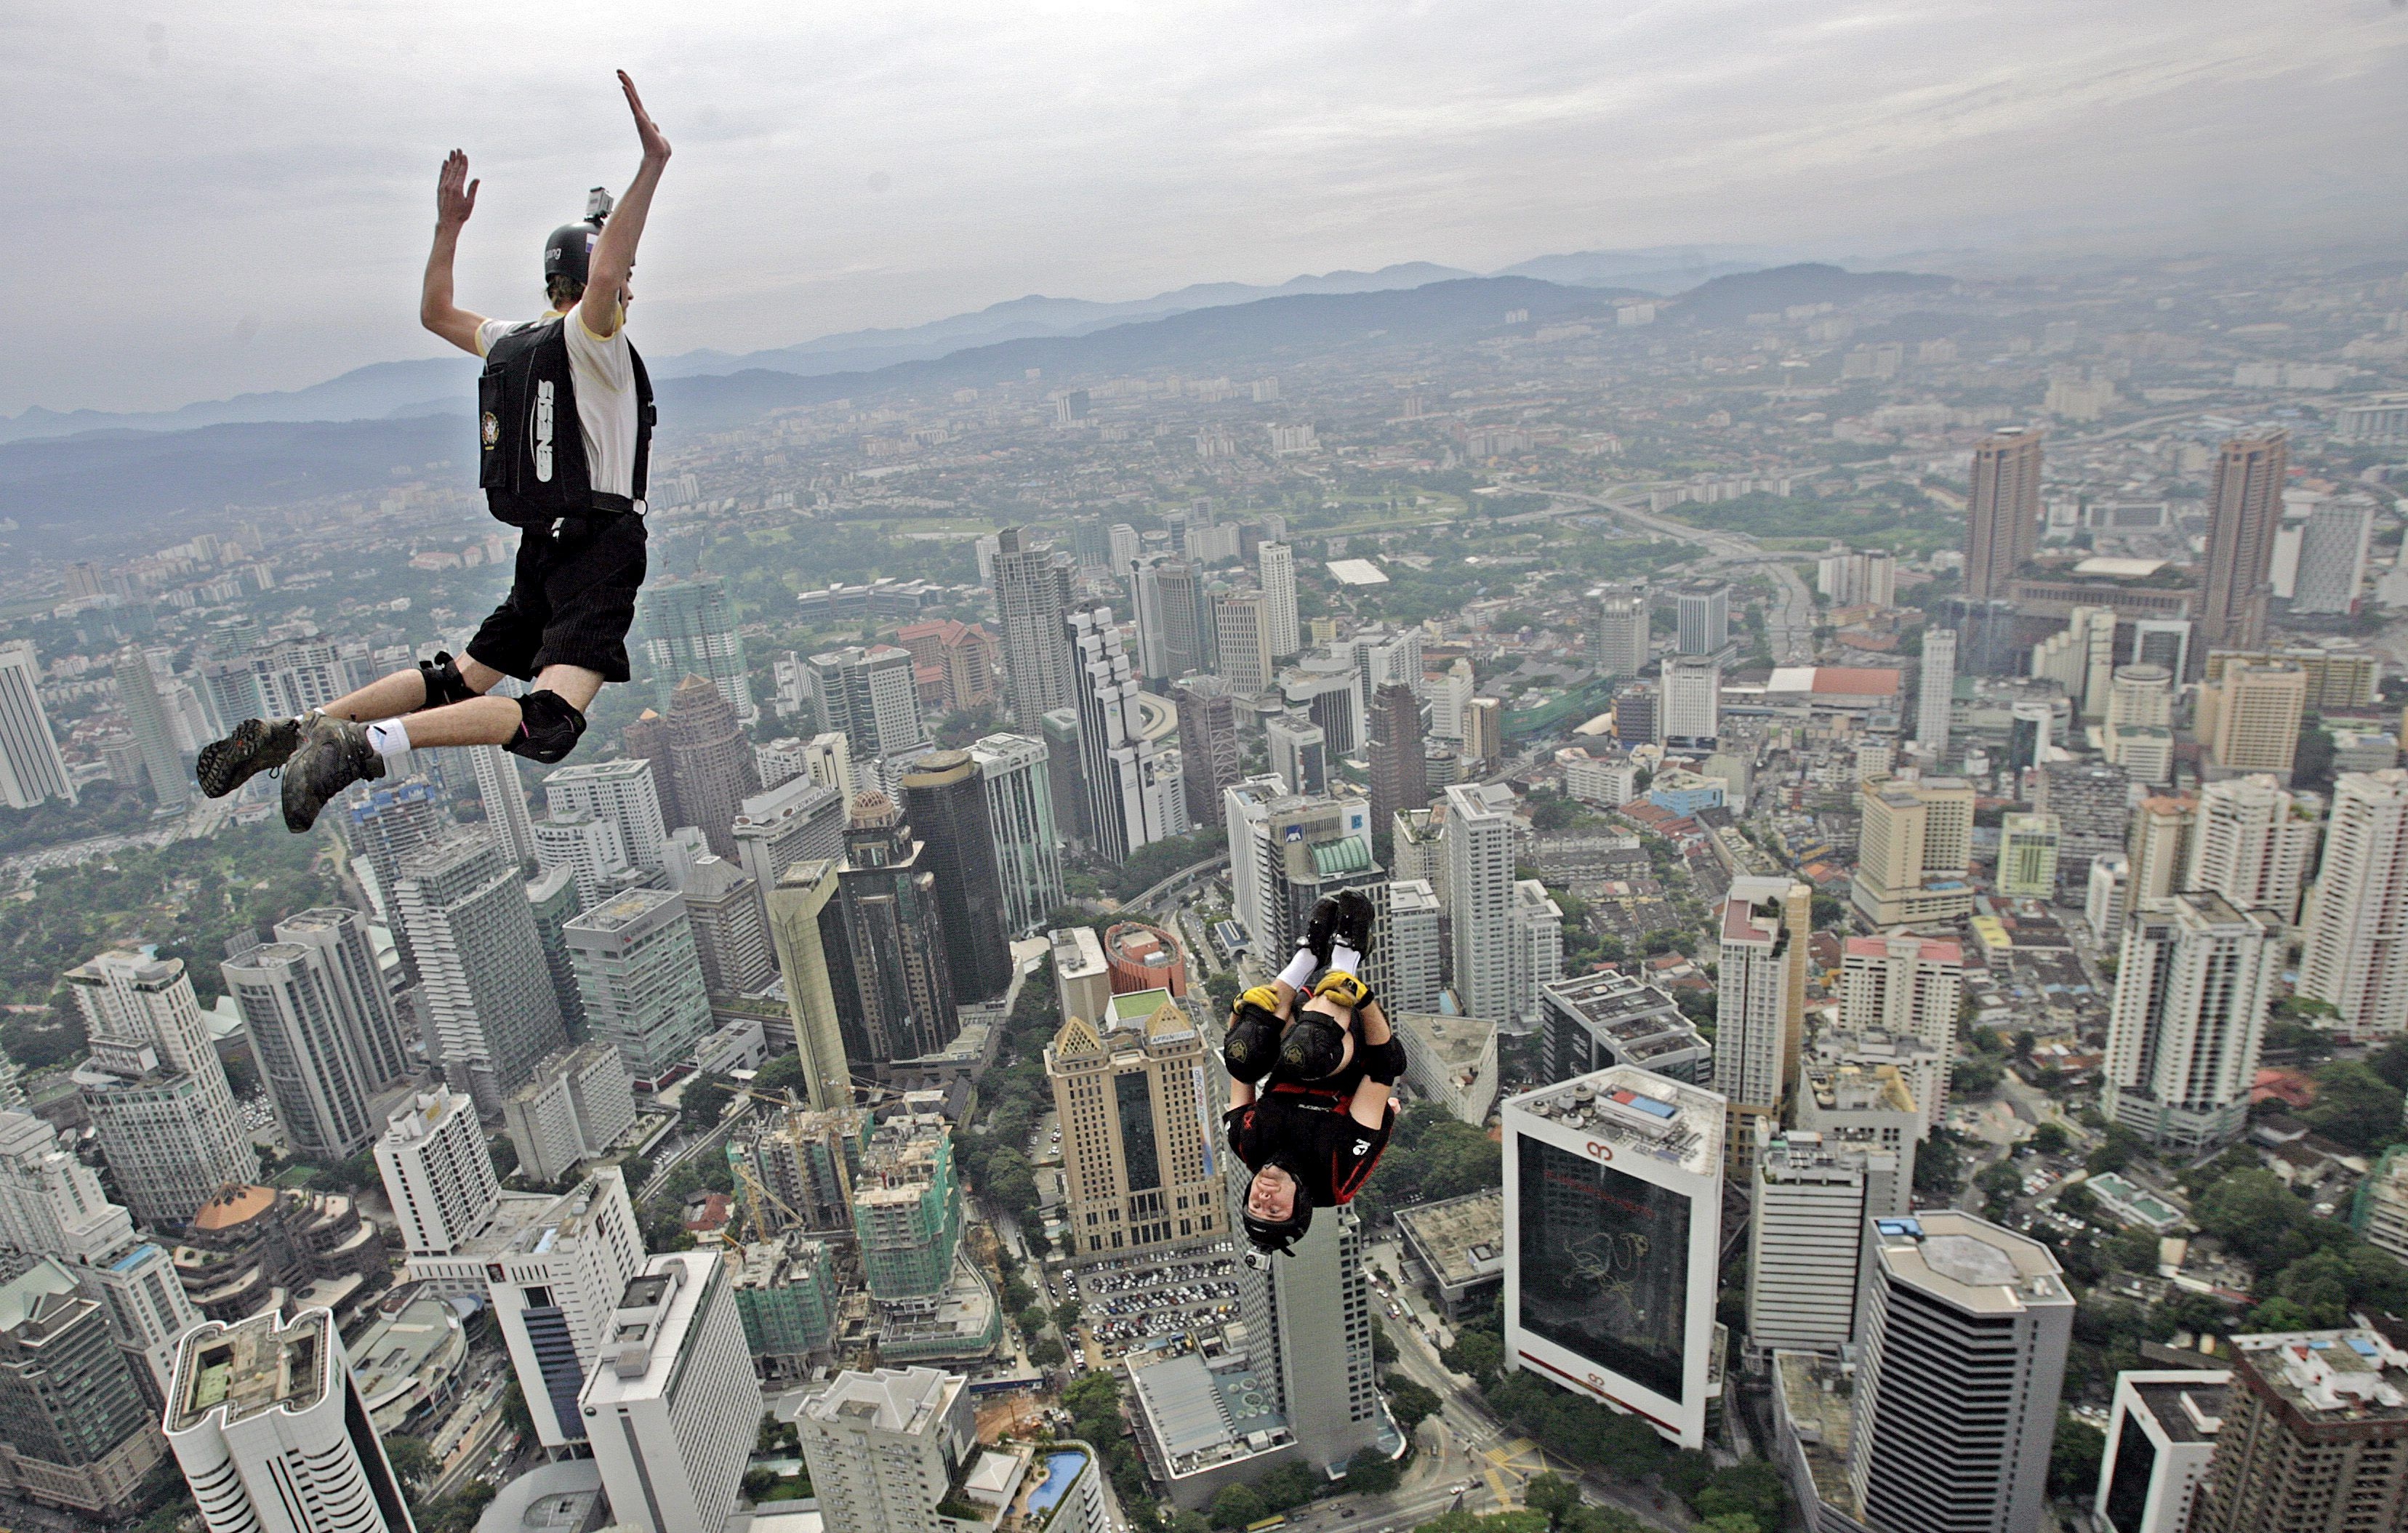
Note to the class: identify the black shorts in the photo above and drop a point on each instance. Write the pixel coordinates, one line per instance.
(571, 601)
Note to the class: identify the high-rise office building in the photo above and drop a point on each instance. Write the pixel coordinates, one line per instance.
(884, 1446)
(1909, 986)
(2309, 1436)
(1209, 755)
(2161, 1432)
(1064, 785)
(799, 820)
(1614, 1188)
(1399, 769)
(640, 979)
(1174, 618)
(553, 1291)
(2028, 856)
(437, 1173)
(1242, 627)
(1136, 791)
(586, 852)
(2192, 988)
(2248, 719)
(945, 803)
(2254, 841)
(2244, 511)
(504, 794)
(672, 1407)
(154, 1089)
(1136, 1154)
(812, 959)
(1618, 642)
(2356, 954)
(1299, 753)
(622, 791)
(1276, 568)
(731, 933)
(272, 1434)
(1808, 1202)
(2002, 517)
(1598, 1021)
(1480, 896)
(1012, 773)
(51, 1203)
(648, 739)
(1702, 610)
(689, 628)
(381, 825)
(1693, 698)
(1935, 686)
(321, 1029)
(900, 1001)
(154, 730)
(715, 767)
(31, 765)
(1032, 593)
(872, 696)
(1965, 1330)
(1914, 849)
(81, 1434)
(1124, 546)
(1761, 1012)
(2332, 556)
(490, 1006)
(1637, 717)
(1414, 949)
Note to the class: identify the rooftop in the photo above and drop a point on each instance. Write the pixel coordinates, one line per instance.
(242, 1369)
(1454, 1040)
(1970, 1262)
(2188, 1409)
(1462, 1238)
(1818, 1399)
(907, 1399)
(1204, 1418)
(1637, 1112)
(2330, 1376)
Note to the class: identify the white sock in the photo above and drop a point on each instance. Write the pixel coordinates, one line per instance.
(1342, 956)
(391, 739)
(1300, 970)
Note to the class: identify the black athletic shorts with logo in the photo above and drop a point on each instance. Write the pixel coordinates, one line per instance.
(571, 601)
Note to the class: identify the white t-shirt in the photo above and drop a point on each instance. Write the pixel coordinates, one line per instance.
(604, 370)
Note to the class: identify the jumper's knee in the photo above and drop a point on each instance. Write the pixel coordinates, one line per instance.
(548, 728)
(1252, 1044)
(444, 682)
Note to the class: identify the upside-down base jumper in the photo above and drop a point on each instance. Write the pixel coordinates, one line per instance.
(577, 495)
(1310, 1084)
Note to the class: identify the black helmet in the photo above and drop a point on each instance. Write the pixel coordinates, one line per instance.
(1271, 1237)
(1315, 1047)
(569, 251)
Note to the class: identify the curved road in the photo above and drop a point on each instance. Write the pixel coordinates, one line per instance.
(1789, 629)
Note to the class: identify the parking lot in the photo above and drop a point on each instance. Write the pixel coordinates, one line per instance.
(1128, 1303)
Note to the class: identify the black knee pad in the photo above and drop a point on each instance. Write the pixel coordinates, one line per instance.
(548, 728)
(1252, 1044)
(444, 682)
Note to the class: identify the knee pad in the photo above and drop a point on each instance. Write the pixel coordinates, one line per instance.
(1252, 1044)
(444, 682)
(548, 728)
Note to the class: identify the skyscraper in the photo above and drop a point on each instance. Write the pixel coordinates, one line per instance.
(883, 1446)
(31, 766)
(2244, 510)
(621, 791)
(2253, 842)
(2161, 1435)
(1480, 896)
(1909, 986)
(81, 1434)
(1241, 631)
(1064, 784)
(1618, 643)
(321, 1030)
(1966, 1328)
(272, 1435)
(640, 979)
(672, 1407)
(2309, 1436)
(2332, 556)
(1934, 688)
(811, 948)
(731, 935)
(716, 770)
(689, 629)
(1210, 756)
(2248, 718)
(907, 1208)
(154, 1089)
(437, 1174)
(1174, 619)
(553, 1292)
(2355, 955)
(1612, 1216)
(900, 1004)
(1298, 752)
(2192, 988)
(647, 738)
(1702, 611)
(1693, 698)
(799, 820)
(1399, 769)
(1134, 789)
(872, 696)
(1807, 1207)
(1760, 1012)
(154, 731)
(1137, 1150)
(381, 825)
(1914, 849)
(1012, 773)
(504, 798)
(946, 805)
(490, 1006)
(1032, 593)
(2002, 517)
(1414, 953)
(51, 1203)
(1275, 567)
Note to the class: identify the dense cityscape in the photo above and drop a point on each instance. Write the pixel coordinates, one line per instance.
(1881, 791)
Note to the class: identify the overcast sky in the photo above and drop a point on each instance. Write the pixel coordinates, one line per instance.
(238, 196)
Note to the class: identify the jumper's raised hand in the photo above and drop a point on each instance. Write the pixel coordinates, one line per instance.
(648, 132)
(455, 195)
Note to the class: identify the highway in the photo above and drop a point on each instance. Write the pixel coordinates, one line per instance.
(1789, 629)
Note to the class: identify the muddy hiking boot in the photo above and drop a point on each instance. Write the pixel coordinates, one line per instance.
(256, 746)
(334, 753)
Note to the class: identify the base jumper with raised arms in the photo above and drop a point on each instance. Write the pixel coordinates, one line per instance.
(565, 427)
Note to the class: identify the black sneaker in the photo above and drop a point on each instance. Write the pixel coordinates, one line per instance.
(1355, 918)
(334, 753)
(256, 746)
(1319, 927)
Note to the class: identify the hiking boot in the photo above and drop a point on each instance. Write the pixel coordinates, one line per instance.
(334, 753)
(256, 746)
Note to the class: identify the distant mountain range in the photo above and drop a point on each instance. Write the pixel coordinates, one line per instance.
(435, 384)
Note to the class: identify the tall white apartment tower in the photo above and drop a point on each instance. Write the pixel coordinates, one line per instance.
(1137, 791)
(1693, 697)
(154, 1088)
(321, 1029)
(672, 1409)
(272, 1435)
(1964, 1338)
(489, 1003)
(883, 1447)
(622, 791)
(1415, 949)
(1481, 896)
(553, 1291)
(1912, 987)
(1761, 1010)
(2192, 987)
(504, 798)
(1932, 693)
(437, 1173)
(31, 766)
(2254, 841)
(51, 1204)
(2355, 956)
(1032, 593)
(1808, 1201)
(1019, 819)
(1275, 564)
